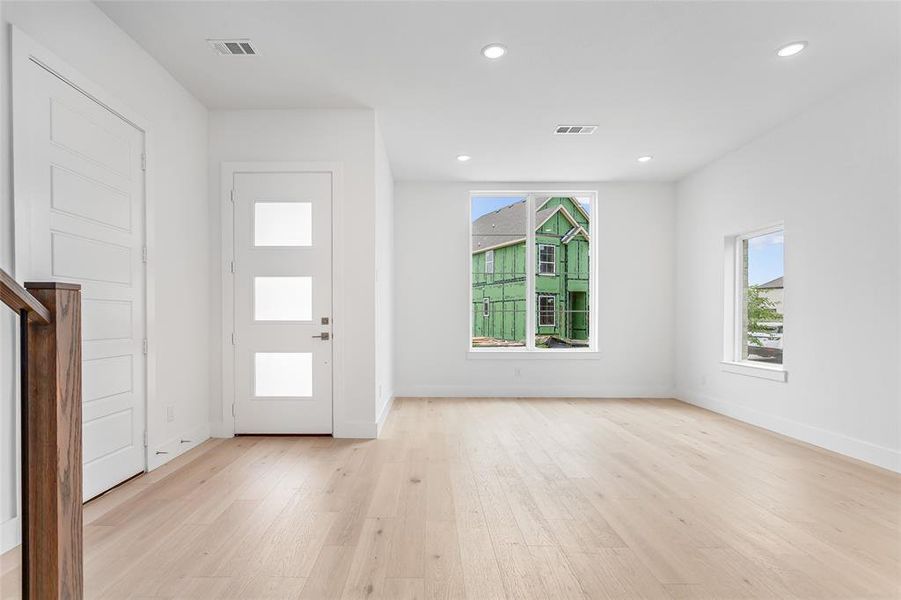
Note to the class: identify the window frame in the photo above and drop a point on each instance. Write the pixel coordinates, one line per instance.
(553, 300)
(486, 307)
(735, 310)
(532, 195)
(552, 262)
(491, 262)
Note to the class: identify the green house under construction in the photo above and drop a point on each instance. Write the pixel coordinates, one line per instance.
(561, 274)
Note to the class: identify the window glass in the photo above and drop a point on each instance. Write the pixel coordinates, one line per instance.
(562, 284)
(283, 298)
(547, 261)
(762, 297)
(283, 374)
(547, 311)
(531, 289)
(498, 281)
(282, 224)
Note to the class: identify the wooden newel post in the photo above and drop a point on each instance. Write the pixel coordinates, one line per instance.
(51, 448)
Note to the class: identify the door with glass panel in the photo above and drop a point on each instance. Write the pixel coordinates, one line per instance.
(283, 299)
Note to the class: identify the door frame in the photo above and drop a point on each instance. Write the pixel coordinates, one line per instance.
(228, 170)
(27, 53)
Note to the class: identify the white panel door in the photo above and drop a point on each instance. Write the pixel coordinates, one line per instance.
(80, 218)
(283, 299)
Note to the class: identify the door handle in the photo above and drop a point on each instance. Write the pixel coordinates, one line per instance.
(323, 336)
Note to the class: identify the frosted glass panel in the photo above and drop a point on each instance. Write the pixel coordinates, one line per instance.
(283, 298)
(283, 374)
(282, 224)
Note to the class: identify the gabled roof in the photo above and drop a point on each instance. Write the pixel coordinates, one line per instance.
(577, 204)
(506, 225)
(775, 284)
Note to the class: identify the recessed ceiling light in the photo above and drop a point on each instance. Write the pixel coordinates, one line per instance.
(791, 49)
(463, 157)
(645, 158)
(493, 51)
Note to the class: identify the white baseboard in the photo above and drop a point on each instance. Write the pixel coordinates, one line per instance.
(532, 391)
(177, 445)
(887, 458)
(386, 410)
(10, 534)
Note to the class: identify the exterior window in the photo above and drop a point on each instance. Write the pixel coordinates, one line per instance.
(547, 259)
(531, 279)
(547, 311)
(760, 301)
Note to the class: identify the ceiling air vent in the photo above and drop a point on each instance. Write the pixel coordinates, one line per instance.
(575, 129)
(233, 47)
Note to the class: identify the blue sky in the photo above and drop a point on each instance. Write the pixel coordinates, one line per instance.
(766, 255)
(482, 205)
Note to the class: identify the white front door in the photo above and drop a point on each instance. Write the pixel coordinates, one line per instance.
(80, 218)
(282, 302)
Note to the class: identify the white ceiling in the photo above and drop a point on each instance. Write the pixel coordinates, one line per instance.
(684, 82)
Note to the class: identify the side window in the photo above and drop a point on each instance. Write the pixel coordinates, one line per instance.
(489, 262)
(486, 307)
(547, 311)
(547, 259)
(760, 297)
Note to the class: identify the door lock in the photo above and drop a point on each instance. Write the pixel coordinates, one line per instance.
(323, 336)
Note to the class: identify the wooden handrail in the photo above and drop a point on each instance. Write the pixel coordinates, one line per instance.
(52, 535)
(18, 298)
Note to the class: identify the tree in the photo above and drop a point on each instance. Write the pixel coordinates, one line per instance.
(760, 310)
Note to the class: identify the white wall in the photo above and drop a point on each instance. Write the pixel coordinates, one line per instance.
(347, 137)
(384, 281)
(831, 174)
(635, 242)
(88, 41)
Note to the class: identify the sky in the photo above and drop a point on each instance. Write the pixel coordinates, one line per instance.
(766, 257)
(482, 205)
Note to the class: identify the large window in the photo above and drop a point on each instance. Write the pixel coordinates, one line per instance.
(545, 306)
(760, 300)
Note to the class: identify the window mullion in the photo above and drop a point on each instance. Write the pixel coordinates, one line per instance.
(530, 273)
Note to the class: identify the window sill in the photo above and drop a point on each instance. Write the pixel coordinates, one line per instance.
(771, 372)
(525, 354)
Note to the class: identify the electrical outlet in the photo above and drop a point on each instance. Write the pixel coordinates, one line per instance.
(517, 372)
(170, 413)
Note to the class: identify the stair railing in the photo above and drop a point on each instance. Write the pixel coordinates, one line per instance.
(50, 369)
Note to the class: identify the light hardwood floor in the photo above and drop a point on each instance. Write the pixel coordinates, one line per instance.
(490, 499)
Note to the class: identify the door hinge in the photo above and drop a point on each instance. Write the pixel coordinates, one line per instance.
(143, 161)
(232, 266)
(233, 339)
(144, 345)
(233, 410)
(232, 196)
(145, 438)
(143, 253)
